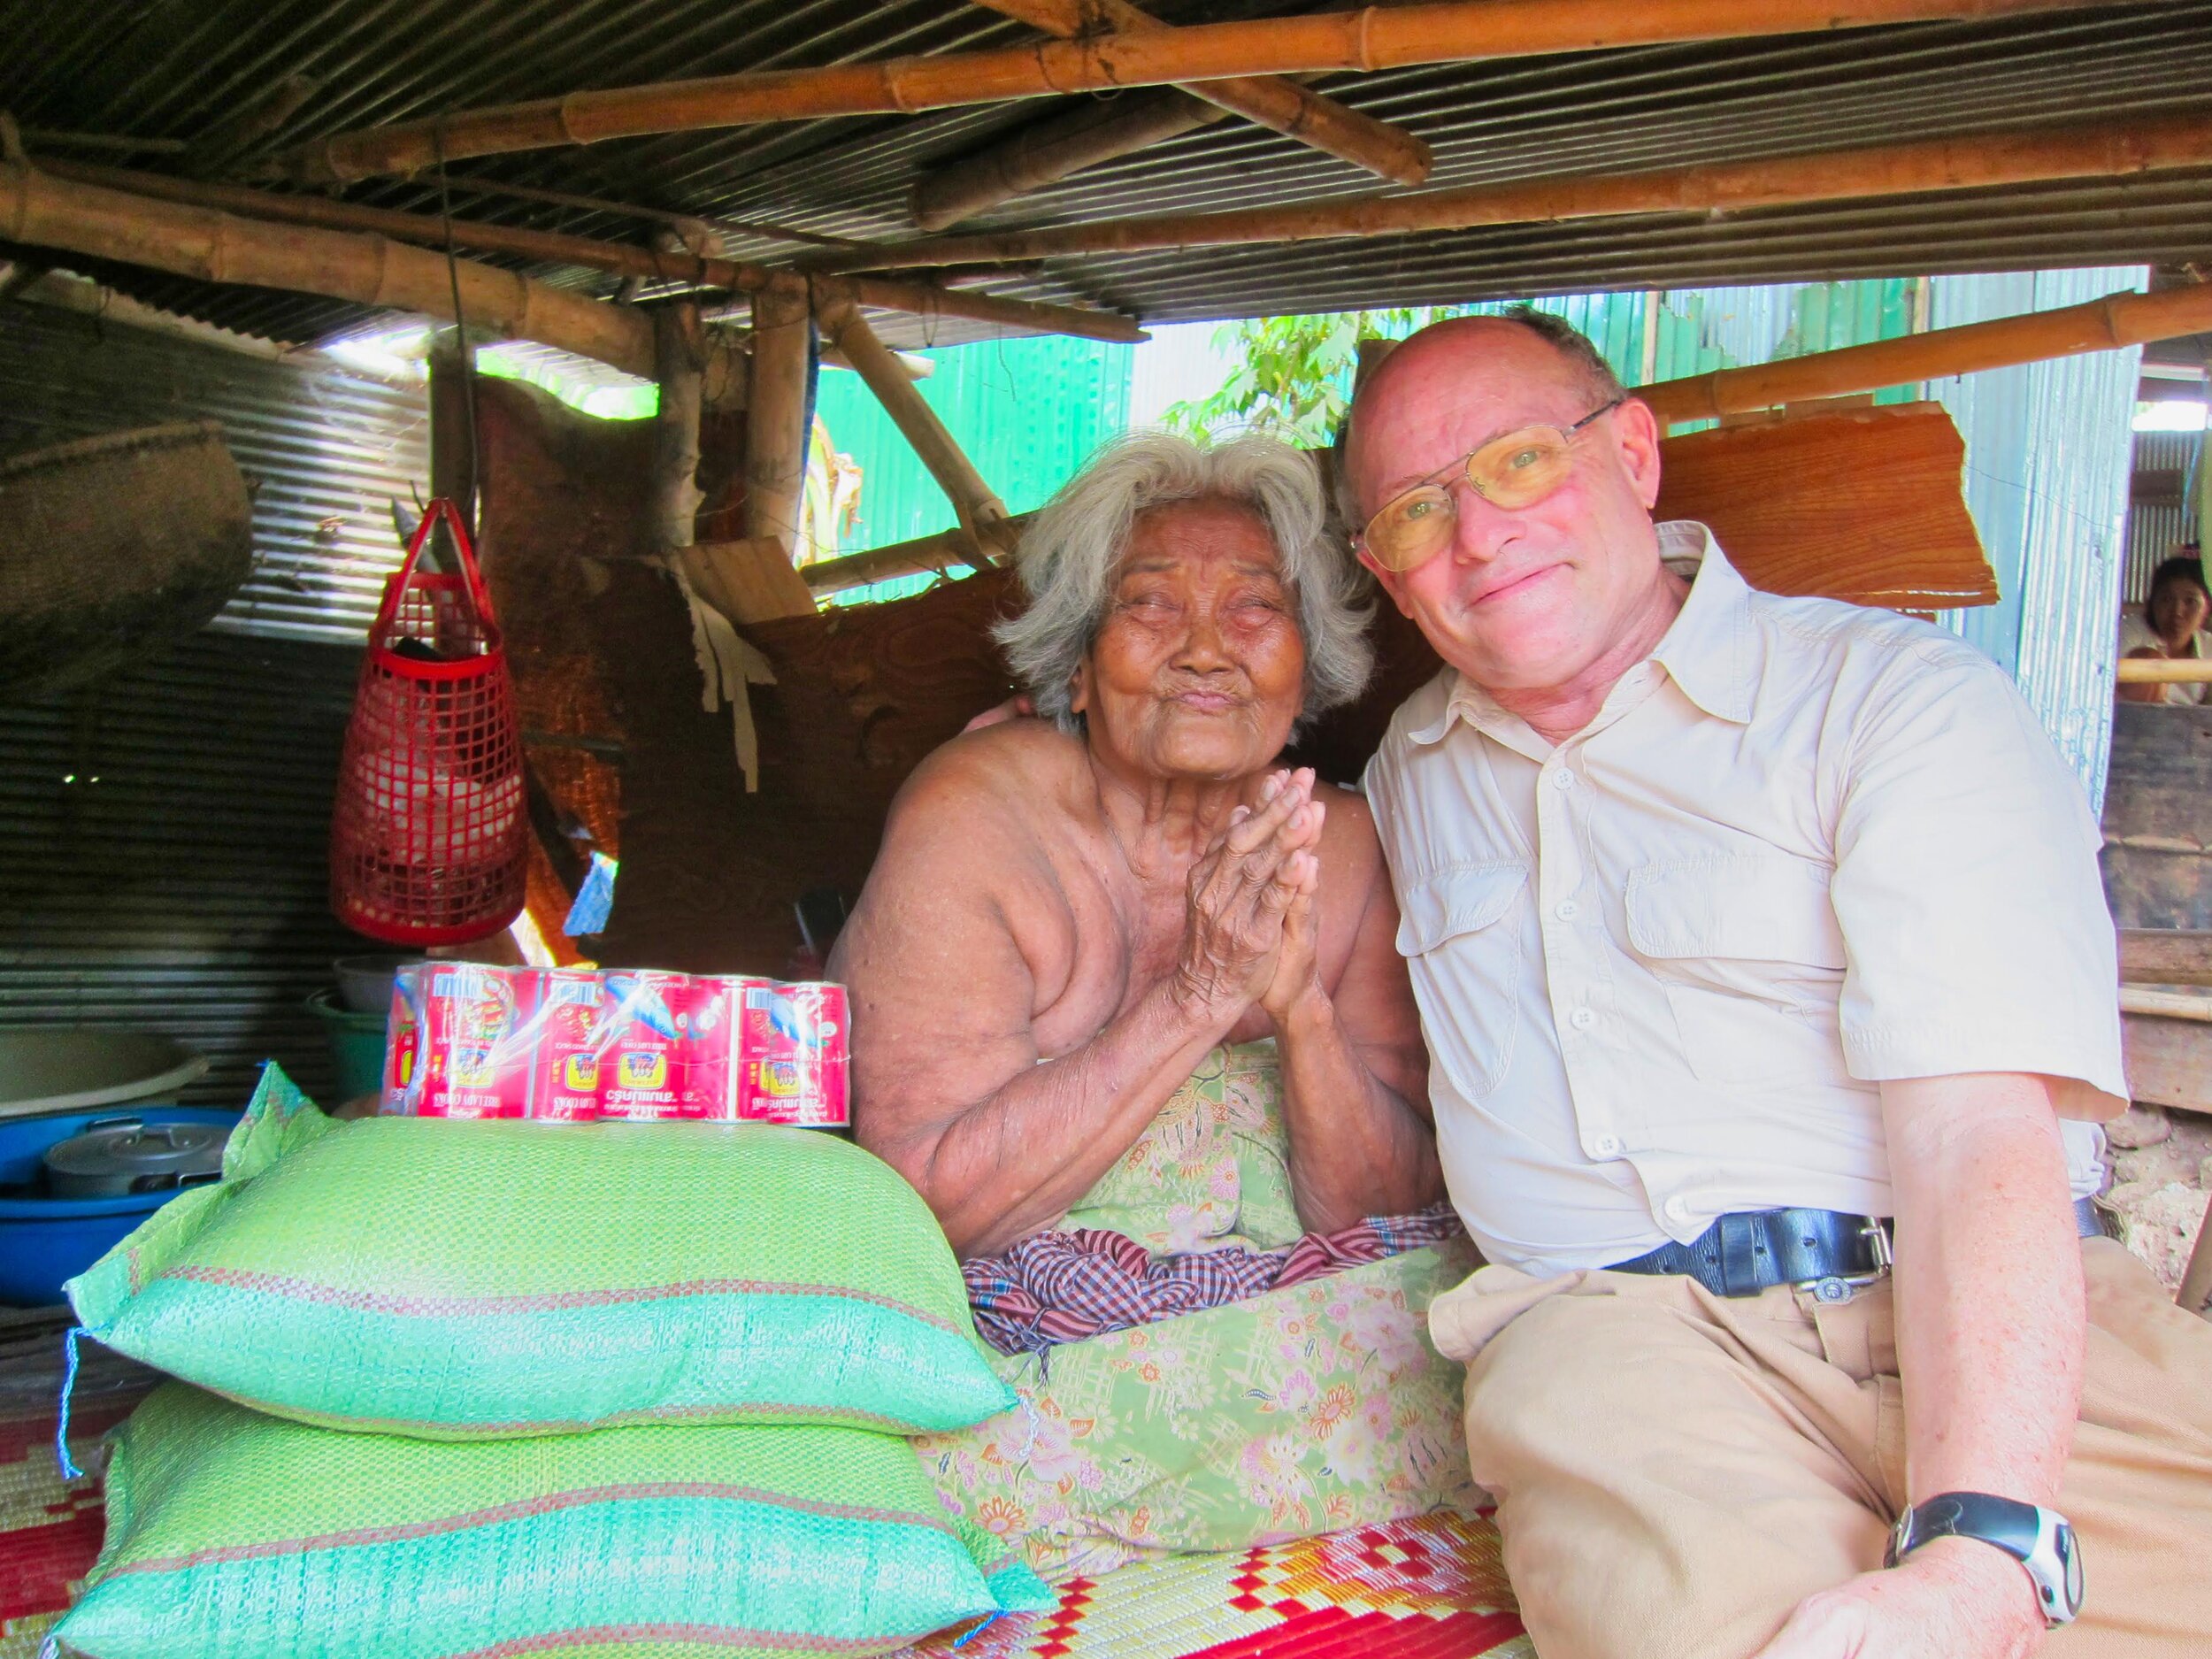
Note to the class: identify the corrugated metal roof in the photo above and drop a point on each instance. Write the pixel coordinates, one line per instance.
(92, 68)
(162, 854)
(325, 452)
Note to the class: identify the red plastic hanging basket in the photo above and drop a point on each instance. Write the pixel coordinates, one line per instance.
(429, 839)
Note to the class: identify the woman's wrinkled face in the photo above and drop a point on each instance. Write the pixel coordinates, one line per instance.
(2177, 610)
(1198, 670)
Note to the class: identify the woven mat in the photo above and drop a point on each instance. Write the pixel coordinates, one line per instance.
(50, 1528)
(1427, 1589)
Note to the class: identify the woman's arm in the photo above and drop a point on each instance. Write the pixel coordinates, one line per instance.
(1354, 1068)
(961, 936)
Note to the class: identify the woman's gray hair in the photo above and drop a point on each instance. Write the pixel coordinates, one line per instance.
(1069, 552)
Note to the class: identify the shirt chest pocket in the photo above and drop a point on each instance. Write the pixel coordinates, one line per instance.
(1751, 957)
(1459, 932)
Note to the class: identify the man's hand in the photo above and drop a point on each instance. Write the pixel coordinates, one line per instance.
(1952, 1598)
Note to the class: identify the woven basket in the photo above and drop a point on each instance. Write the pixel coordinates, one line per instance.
(112, 546)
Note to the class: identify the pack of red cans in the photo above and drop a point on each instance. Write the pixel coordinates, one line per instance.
(577, 1045)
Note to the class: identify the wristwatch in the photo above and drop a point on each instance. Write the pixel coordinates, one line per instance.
(2038, 1539)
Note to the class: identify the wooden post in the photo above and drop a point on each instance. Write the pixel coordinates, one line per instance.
(1981, 161)
(659, 264)
(775, 430)
(1379, 37)
(982, 511)
(1280, 106)
(1044, 152)
(2163, 670)
(680, 355)
(219, 247)
(2118, 319)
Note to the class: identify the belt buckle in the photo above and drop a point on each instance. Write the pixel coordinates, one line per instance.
(1835, 1289)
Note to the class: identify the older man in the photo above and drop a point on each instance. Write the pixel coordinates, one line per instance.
(1754, 939)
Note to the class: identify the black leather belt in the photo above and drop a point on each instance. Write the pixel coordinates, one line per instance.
(1744, 1254)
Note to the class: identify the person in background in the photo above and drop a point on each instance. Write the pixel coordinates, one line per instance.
(1761, 952)
(1128, 1012)
(2171, 625)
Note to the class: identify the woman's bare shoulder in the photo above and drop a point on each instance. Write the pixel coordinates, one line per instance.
(1348, 832)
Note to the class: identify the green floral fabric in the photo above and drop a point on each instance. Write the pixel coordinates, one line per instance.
(1300, 1411)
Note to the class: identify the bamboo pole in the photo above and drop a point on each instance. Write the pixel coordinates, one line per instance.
(1280, 106)
(980, 510)
(775, 418)
(1455, 31)
(679, 360)
(1080, 135)
(369, 270)
(2116, 320)
(1975, 162)
(554, 246)
(926, 553)
(2163, 670)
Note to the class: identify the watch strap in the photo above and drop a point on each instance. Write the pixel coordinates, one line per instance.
(2011, 1526)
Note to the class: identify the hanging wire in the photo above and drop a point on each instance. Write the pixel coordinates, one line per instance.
(467, 358)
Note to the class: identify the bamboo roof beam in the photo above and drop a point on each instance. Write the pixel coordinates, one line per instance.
(1080, 135)
(1269, 101)
(621, 258)
(982, 511)
(1387, 37)
(1977, 161)
(2105, 325)
(2115, 321)
(370, 270)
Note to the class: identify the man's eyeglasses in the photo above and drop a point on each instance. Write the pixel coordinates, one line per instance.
(1516, 471)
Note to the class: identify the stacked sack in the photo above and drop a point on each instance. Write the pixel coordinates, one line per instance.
(453, 1387)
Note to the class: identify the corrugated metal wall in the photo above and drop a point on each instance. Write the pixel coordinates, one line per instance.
(162, 861)
(2047, 447)
(2155, 528)
(163, 833)
(328, 452)
(1026, 411)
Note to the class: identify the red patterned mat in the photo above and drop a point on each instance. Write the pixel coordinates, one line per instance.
(1427, 1589)
(50, 1528)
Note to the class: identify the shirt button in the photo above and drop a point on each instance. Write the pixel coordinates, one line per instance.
(1566, 910)
(1605, 1147)
(1678, 1209)
(1583, 1018)
(1562, 779)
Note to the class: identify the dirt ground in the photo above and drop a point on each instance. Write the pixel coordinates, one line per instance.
(2161, 1178)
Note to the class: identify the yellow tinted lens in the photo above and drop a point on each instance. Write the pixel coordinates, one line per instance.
(1410, 529)
(1521, 468)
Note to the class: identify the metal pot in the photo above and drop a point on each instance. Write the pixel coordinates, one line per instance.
(118, 1157)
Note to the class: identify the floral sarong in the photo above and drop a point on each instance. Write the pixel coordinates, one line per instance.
(1313, 1407)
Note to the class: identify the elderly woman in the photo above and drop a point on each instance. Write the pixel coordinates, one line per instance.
(1130, 1014)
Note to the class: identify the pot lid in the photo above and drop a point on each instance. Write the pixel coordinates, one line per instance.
(135, 1149)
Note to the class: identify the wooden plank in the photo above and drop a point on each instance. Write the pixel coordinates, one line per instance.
(2158, 956)
(1863, 504)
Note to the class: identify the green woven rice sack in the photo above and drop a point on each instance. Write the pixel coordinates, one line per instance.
(231, 1535)
(456, 1279)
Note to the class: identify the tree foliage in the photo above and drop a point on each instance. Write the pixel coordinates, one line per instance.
(1292, 378)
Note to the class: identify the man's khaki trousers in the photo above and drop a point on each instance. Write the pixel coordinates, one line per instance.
(1676, 1470)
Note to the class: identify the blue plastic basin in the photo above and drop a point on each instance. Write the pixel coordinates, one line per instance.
(46, 1240)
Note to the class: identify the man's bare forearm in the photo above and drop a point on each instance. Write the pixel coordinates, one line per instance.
(1991, 1317)
(1358, 1148)
(1017, 1161)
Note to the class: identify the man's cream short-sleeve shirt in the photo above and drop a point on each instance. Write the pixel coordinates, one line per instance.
(1805, 848)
